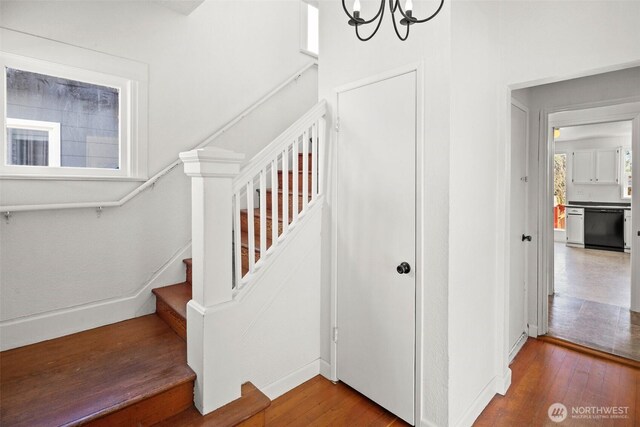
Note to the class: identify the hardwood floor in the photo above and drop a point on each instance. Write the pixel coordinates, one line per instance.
(591, 302)
(319, 402)
(545, 373)
(122, 374)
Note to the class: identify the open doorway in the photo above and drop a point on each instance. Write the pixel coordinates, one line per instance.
(589, 303)
(583, 287)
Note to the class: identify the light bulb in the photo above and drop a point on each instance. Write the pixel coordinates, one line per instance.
(408, 5)
(356, 6)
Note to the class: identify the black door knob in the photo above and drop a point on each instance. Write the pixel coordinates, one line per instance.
(403, 268)
(527, 238)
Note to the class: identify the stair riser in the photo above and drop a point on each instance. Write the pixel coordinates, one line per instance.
(152, 410)
(256, 227)
(300, 186)
(301, 162)
(270, 204)
(171, 318)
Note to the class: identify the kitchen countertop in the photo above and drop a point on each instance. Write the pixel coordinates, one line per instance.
(599, 205)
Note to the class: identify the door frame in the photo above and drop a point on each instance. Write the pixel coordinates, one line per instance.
(520, 343)
(418, 68)
(610, 111)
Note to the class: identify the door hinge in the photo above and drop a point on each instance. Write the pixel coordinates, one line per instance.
(335, 334)
(338, 124)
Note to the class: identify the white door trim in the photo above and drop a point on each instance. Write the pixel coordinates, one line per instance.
(521, 106)
(418, 68)
(583, 115)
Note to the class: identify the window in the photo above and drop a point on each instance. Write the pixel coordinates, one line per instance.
(626, 173)
(559, 190)
(309, 30)
(71, 121)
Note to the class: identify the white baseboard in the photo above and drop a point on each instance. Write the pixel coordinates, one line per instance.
(481, 402)
(503, 382)
(533, 331)
(427, 423)
(292, 380)
(45, 326)
(516, 348)
(325, 370)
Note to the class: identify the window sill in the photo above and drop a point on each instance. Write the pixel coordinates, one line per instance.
(73, 178)
(309, 53)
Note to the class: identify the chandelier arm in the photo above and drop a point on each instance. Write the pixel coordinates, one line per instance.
(374, 31)
(419, 21)
(393, 5)
(395, 27)
(364, 22)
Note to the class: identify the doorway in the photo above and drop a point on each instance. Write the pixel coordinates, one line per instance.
(590, 296)
(376, 241)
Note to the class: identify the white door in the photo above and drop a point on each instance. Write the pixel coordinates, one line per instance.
(376, 226)
(582, 165)
(607, 166)
(519, 235)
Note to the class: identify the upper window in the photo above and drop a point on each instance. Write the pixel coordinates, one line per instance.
(64, 121)
(309, 30)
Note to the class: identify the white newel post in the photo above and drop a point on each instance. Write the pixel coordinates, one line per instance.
(212, 171)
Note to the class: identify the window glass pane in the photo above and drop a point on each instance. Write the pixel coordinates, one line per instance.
(28, 147)
(559, 190)
(627, 178)
(312, 29)
(88, 115)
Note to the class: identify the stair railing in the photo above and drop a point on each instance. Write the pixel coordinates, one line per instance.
(221, 195)
(265, 182)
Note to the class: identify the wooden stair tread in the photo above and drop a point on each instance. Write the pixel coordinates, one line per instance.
(252, 402)
(175, 296)
(92, 374)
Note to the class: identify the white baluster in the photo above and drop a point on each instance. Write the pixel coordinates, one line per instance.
(285, 191)
(263, 213)
(314, 161)
(250, 227)
(274, 201)
(296, 160)
(305, 169)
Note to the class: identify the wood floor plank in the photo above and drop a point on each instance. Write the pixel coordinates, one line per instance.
(545, 373)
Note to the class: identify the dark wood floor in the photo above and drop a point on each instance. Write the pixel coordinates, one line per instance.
(319, 402)
(545, 373)
(95, 374)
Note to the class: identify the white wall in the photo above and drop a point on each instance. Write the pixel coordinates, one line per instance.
(344, 59)
(495, 46)
(592, 193)
(203, 70)
(567, 94)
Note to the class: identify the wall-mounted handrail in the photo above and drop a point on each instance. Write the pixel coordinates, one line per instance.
(155, 178)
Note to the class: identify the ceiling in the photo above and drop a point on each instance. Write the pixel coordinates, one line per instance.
(600, 130)
(184, 7)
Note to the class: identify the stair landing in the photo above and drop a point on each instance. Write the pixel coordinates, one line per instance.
(129, 373)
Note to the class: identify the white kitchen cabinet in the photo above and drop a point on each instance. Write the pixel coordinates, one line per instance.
(596, 166)
(606, 165)
(583, 167)
(575, 226)
(628, 231)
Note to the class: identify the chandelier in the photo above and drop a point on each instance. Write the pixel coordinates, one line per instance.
(394, 5)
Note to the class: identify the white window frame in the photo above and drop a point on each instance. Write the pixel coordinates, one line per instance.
(304, 30)
(130, 78)
(53, 138)
(623, 177)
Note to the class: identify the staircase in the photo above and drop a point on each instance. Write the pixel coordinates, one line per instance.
(135, 373)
